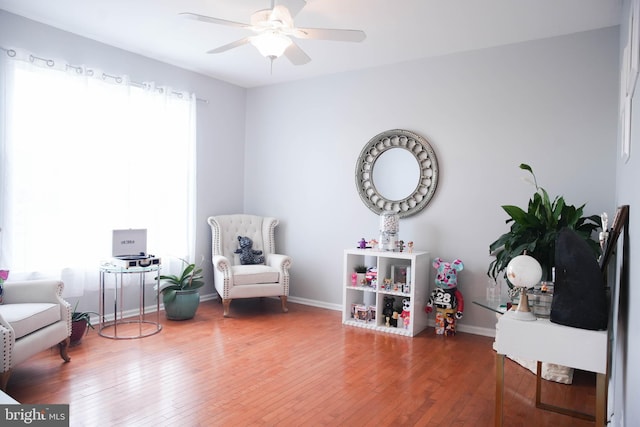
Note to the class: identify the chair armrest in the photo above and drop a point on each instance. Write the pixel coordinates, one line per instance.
(43, 291)
(221, 264)
(33, 291)
(8, 340)
(279, 261)
(6, 330)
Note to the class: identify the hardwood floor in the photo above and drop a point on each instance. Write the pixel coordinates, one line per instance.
(262, 367)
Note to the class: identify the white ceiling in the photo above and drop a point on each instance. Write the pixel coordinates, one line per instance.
(397, 30)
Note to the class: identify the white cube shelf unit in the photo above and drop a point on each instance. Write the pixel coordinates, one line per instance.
(367, 296)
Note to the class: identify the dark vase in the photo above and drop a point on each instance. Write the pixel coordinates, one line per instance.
(78, 329)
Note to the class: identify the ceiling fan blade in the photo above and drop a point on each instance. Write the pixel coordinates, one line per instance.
(296, 55)
(212, 20)
(281, 14)
(294, 6)
(229, 46)
(330, 34)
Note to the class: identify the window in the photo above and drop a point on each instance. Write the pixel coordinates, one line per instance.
(85, 154)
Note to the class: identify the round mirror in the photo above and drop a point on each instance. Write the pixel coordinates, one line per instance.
(395, 174)
(397, 171)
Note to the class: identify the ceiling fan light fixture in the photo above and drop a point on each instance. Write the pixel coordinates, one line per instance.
(271, 44)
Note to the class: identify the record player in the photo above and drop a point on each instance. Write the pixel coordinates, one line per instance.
(129, 249)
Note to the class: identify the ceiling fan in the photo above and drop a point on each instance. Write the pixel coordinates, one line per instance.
(273, 30)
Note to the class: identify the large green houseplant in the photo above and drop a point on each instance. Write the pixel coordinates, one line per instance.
(180, 294)
(535, 230)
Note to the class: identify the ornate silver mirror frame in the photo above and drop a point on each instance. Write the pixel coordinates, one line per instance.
(427, 182)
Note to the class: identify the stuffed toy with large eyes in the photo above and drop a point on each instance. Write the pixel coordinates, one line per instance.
(446, 297)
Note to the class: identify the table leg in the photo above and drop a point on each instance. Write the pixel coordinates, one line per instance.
(601, 400)
(499, 389)
(560, 410)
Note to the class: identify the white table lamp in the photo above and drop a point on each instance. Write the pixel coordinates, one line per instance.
(524, 272)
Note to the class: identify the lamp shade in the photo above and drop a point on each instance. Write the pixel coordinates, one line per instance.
(271, 44)
(524, 271)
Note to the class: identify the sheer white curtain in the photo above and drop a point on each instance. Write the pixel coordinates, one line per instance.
(84, 153)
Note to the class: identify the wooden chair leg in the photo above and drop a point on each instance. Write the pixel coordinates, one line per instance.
(225, 307)
(4, 380)
(283, 300)
(64, 347)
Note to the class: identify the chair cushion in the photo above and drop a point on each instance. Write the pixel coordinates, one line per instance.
(28, 317)
(254, 274)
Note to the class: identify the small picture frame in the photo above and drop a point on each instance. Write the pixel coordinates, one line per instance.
(361, 313)
(620, 220)
(371, 314)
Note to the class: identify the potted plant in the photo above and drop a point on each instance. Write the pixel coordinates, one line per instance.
(535, 231)
(80, 323)
(180, 294)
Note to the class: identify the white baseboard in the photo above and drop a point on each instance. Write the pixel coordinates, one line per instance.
(470, 329)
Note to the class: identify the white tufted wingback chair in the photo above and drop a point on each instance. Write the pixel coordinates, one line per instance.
(33, 317)
(234, 280)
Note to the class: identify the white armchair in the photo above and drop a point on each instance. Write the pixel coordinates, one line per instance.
(234, 280)
(33, 318)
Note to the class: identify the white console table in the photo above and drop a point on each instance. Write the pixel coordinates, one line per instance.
(544, 341)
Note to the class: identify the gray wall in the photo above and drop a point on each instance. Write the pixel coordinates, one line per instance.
(627, 386)
(550, 103)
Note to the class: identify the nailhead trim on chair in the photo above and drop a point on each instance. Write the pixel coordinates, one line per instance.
(271, 238)
(7, 343)
(65, 305)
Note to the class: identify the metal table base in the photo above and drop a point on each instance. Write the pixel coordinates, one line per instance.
(121, 327)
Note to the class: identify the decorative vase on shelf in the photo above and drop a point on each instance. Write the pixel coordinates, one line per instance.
(389, 227)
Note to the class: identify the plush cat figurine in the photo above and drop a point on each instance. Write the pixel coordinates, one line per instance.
(446, 296)
(247, 254)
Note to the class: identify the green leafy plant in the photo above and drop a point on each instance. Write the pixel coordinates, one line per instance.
(535, 230)
(360, 269)
(190, 278)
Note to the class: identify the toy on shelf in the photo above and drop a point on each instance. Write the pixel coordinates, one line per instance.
(406, 312)
(387, 311)
(394, 319)
(446, 297)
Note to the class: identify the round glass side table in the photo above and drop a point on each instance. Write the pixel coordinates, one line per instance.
(112, 281)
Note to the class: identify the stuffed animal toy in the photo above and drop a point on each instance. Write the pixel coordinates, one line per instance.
(387, 311)
(247, 254)
(406, 312)
(446, 297)
(394, 319)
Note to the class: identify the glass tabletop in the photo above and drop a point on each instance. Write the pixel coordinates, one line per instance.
(495, 306)
(109, 267)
